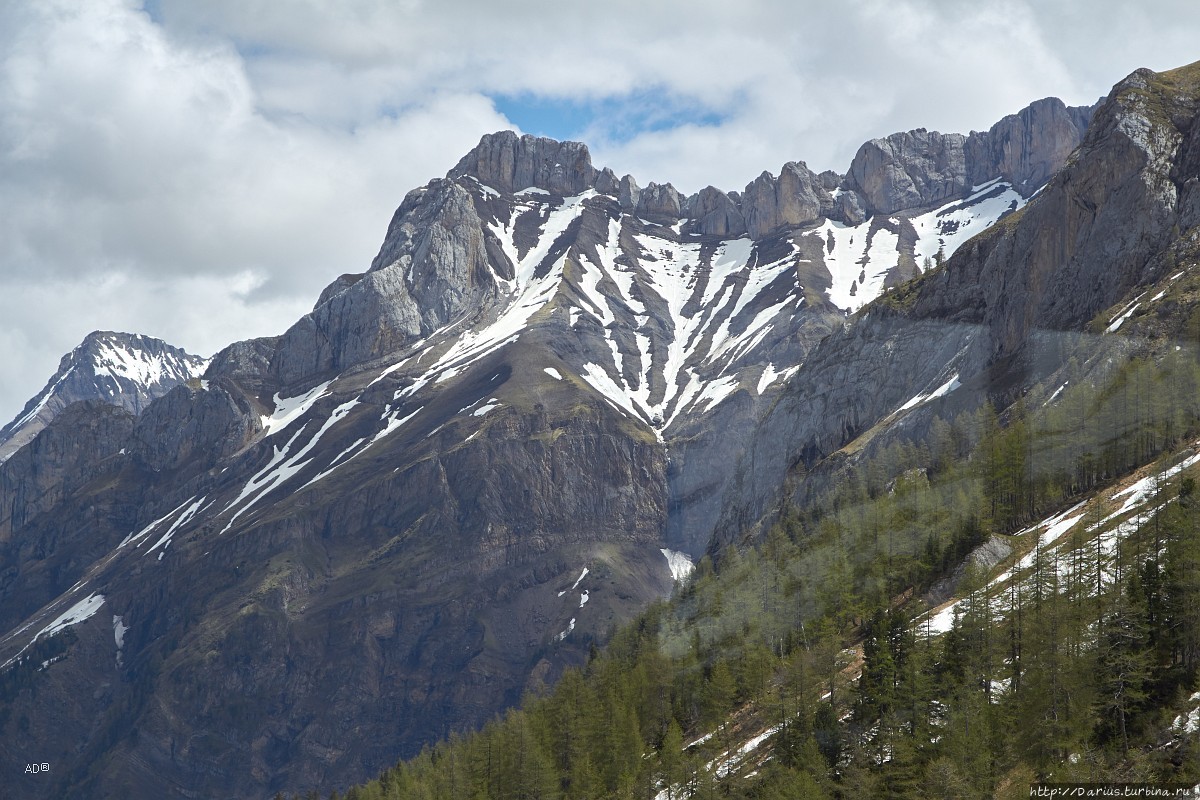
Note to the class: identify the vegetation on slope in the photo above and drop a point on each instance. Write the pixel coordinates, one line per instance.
(807, 666)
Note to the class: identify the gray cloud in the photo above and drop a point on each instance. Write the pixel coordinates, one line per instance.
(198, 172)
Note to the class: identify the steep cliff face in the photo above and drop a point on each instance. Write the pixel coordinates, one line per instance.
(439, 487)
(921, 168)
(1010, 306)
(907, 170)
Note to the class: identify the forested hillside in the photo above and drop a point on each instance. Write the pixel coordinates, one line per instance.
(809, 665)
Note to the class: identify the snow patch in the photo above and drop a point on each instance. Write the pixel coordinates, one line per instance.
(716, 391)
(74, 615)
(1120, 320)
(579, 580)
(678, 563)
(184, 518)
(289, 409)
(943, 390)
(119, 629)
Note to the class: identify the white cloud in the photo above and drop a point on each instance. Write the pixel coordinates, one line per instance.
(152, 160)
(138, 172)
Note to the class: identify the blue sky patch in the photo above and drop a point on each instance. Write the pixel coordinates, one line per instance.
(619, 118)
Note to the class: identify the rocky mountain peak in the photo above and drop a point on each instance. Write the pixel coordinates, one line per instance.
(922, 168)
(121, 369)
(510, 163)
(796, 197)
(909, 169)
(1028, 147)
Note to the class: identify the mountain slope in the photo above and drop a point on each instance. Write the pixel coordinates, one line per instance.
(462, 468)
(1009, 309)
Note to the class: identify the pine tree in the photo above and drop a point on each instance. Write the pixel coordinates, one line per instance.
(1123, 663)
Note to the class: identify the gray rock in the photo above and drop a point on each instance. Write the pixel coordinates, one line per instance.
(850, 208)
(921, 168)
(909, 170)
(607, 182)
(192, 428)
(981, 560)
(795, 198)
(628, 193)
(830, 180)
(660, 203)
(510, 163)
(433, 267)
(341, 284)
(713, 213)
(1028, 147)
(248, 364)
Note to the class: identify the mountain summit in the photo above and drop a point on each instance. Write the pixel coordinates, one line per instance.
(123, 369)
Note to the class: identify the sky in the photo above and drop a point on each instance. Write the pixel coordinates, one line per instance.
(200, 171)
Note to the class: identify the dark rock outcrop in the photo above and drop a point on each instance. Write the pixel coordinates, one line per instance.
(714, 213)
(660, 203)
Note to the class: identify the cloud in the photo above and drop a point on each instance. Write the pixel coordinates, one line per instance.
(199, 171)
(142, 181)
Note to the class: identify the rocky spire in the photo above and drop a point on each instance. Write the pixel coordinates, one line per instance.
(771, 204)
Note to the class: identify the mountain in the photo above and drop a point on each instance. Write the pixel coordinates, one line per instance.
(464, 467)
(960, 556)
(126, 370)
(1020, 305)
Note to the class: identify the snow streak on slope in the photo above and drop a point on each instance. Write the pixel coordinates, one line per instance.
(954, 223)
(678, 321)
(859, 257)
(528, 293)
(77, 613)
(139, 366)
(703, 296)
(1050, 549)
(40, 404)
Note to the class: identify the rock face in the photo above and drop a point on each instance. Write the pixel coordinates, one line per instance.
(908, 170)
(433, 267)
(794, 198)
(443, 484)
(714, 213)
(1028, 147)
(510, 163)
(1004, 312)
(122, 369)
(660, 204)
(980, 560)
(923, 168)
